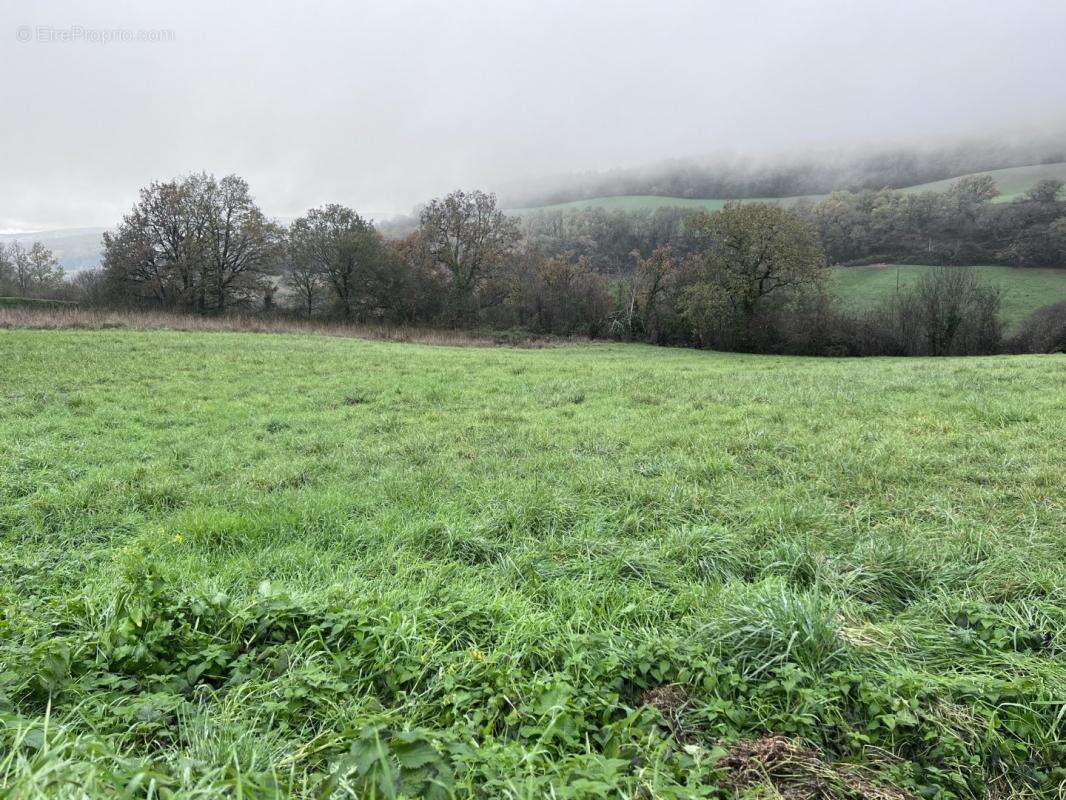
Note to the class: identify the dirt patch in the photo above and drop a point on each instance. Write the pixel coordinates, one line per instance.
(670, 700)
(795, 772)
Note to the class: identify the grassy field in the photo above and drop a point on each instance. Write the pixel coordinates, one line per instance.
(1024, 290)
(1013, 182)
(264, 565)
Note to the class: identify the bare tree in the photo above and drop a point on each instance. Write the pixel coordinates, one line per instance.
(956, 313)
(7, 271)
(240, 243)
(304, 279)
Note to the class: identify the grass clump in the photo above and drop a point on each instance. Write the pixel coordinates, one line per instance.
(768, 624)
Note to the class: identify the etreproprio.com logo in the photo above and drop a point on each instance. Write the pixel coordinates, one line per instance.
(73, 34)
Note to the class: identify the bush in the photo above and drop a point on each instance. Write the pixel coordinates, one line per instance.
(949, 312)
(1043, 332)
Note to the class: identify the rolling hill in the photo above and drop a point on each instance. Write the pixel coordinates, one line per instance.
(1012, 181)
(79, 248)
(75, 248)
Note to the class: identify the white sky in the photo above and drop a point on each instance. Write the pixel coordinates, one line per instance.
(380, 105)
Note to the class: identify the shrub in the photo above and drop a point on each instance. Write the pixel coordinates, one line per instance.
(1043, 332)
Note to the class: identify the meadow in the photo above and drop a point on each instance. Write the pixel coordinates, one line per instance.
(1013, 182)
(270, 565)
(1024, 290)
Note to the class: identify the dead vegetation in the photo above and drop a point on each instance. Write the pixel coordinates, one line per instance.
(94, 319)
(670, 700)
(778, 767)
(773, 766)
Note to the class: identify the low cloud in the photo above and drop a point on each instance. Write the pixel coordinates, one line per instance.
(382, 104)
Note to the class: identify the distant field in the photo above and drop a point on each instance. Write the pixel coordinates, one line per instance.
(267, 566)
(1013, 182)
(1024, 290)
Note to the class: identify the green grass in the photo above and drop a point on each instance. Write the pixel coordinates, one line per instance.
(1024, 290)
(1013, 182)
(254, 565)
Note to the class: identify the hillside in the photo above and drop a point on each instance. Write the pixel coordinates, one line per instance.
(647, 202)
(79, 248)
(272, 566)
(1013, 182)
(1024, 290)
(74, 248)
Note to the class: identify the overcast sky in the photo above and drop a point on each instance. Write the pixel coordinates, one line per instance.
(379, 105)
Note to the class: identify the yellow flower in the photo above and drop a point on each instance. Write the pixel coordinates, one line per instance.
(177, 538)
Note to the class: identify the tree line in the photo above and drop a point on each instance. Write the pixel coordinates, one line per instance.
(960, 225)
(29, 271)
(751, 276)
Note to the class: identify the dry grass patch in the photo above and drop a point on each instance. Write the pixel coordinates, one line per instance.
(63, 318)
(778, 767)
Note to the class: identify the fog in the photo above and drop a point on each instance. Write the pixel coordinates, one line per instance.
(380, 105)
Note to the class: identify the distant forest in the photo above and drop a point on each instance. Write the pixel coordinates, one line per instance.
(817, 173)
(750, 277)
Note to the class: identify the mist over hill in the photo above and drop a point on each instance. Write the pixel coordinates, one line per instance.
(793, 174)
(75, 248)
(723, 177)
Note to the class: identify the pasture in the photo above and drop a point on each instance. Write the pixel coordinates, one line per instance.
(1024, 290)
(266, 565)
